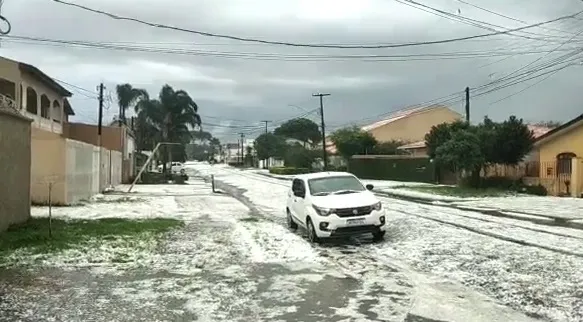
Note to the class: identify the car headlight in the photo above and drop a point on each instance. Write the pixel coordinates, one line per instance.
(323, 211)
(377, 206)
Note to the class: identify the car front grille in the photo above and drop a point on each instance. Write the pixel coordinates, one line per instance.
(350, 212)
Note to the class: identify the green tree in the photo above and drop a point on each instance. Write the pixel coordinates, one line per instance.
(513, 141)
(202, 136)
(388, 148)
(461, 153)
(352, 141)
(269, 145)
(128, 96)
(441, 133)
(301, 129)
(172, 114)
(215, 147)
(298, 156)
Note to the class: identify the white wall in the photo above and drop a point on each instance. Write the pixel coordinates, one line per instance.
(81, 171)
(111, 168)
(85, 176)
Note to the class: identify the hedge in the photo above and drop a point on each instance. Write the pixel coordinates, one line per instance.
(288, 170)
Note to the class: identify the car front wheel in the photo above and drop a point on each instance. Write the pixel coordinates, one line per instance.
(291, 224)
(312, 233)
(378, 236)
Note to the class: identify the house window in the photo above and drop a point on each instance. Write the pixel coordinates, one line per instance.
(31, 100)
(45, 106)
(56, 111)
(564, 163)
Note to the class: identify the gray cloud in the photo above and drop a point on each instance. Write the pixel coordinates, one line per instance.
(241, 92)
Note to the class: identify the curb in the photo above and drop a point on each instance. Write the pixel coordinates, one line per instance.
(495, 213)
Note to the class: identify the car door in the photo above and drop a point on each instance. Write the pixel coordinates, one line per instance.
(300, 202)
(297, 202)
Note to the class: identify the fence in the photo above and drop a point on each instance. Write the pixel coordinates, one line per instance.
(14, 168)
(75, 170)
(393, 167)
(559, 177)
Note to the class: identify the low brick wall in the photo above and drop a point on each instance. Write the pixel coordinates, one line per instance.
(14, 168)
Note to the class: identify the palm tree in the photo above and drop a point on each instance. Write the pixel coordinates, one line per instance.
(172, 116)
(127, 96)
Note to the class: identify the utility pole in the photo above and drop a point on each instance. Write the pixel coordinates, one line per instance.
(267, 160)
(99, 122)
(99, 125)
(265, 125)
(468, 104)
(323, 128)
(242, 147)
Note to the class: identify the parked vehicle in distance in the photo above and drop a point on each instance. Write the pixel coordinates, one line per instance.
(177, 168)
(331, 204)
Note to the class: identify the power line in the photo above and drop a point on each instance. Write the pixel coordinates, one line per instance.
(282, 43)
(530, 86)
(137, 47)
(468, 21)
(508, 17)
(8, 26)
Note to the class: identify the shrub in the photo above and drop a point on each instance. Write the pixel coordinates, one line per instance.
(340, 168)
(288, 170)
(153, 178)
(178, 179)
(538, 190)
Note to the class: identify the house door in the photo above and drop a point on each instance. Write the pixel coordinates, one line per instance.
(564, 170)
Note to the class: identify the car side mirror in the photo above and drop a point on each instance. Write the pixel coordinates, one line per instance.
(369, 187)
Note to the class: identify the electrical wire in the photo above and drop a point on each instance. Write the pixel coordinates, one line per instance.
(469, 21)
(530, 86)
(508, 17)
(291, 44)
(281, 57)
(8, 26)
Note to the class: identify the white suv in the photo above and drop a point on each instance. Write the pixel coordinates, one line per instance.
(329, 204)
(177, 167)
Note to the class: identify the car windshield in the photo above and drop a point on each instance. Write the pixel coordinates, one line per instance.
(338, 184)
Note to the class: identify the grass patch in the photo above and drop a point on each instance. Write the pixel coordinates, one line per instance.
(464, 192)
(33, 236)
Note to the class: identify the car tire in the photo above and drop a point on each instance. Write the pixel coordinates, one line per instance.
(291, 224)
(378, 236)
(312, 237)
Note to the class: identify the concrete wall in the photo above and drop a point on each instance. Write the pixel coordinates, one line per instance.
(14, 169)
(82, 171)
(84, 178)
(111, 137)
(111, 168)
(414, 127)
(71, 167)
(48, 166)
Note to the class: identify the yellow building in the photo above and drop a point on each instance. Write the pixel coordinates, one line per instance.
(558, 154)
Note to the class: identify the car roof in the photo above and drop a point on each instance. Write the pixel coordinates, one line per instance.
(323, 174)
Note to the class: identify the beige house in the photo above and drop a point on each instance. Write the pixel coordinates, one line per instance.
(411, 125)
(70, 170)
(408, 125)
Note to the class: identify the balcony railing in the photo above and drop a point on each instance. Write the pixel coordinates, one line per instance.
(38, 121)
(7, 103)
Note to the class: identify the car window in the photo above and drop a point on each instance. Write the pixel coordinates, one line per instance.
(334, 184)
(297, 183)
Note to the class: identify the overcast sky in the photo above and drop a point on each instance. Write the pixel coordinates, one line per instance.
(242, 92)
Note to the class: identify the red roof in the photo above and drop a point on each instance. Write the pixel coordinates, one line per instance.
(538, 130)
